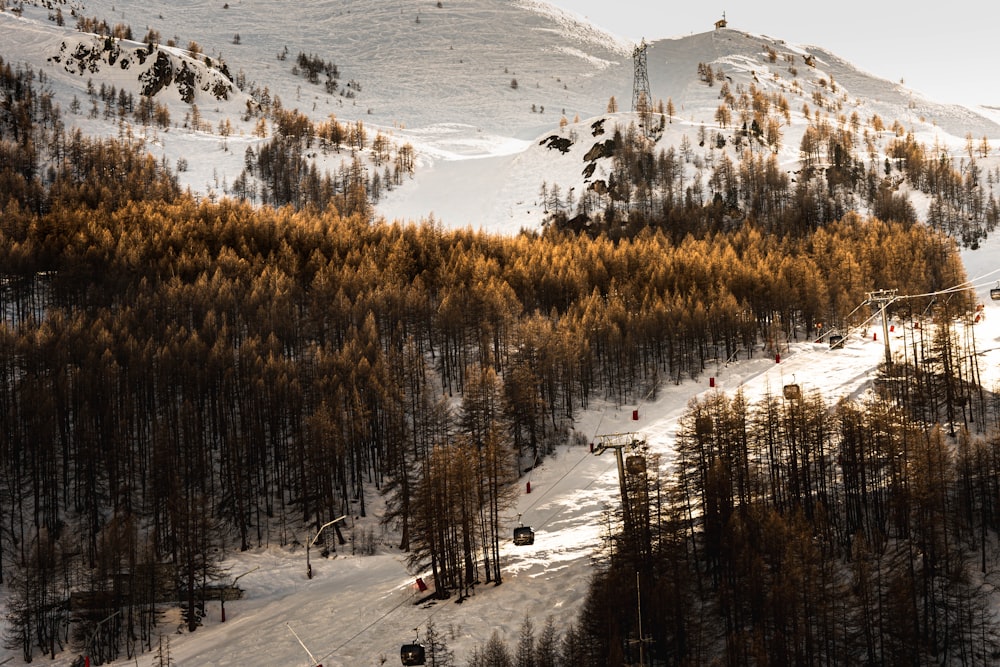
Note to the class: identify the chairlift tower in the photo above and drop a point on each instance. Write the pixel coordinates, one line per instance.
(642, 639)
(641, 98)
(883, 298)
(618, 442)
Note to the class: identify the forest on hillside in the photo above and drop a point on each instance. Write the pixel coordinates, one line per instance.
(183, 378)
(276, 362)
(720, 174)
(796, 532)
(789, 531)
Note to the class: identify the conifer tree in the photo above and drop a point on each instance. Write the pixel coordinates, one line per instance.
(547, 646)
(525, 654)
(437, 652)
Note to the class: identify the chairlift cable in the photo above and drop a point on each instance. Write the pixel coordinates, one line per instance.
(361, 631)
(554, 484)
(972, 283)
(430, 615)
(596, 477)
(571, 469)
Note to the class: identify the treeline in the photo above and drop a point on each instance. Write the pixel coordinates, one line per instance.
(39, 154)
(730, 172)
(43, 166)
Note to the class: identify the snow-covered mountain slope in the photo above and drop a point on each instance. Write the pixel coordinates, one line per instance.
(746, 58)
(473, 86)
(440, 78)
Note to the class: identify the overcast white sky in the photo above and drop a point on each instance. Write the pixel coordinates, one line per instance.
(948, 51)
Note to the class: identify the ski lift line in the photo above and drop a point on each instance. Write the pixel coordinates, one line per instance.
(644, 398)
(429, 616)
(985, 275)
(376, 622)
(948, 291)
(597, 429)
(552, 486)
(980, 281)
(564, 475)
(372, 624)
(592, 482)
(860, 306)
(302, 644)
(972, 283)
(361, 631)
(440, 607)
(572, 468)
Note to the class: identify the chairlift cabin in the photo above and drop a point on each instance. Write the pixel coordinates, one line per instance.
(412, 654)
(995, 293)
(636, 464)
(792, 392)
(524, 535)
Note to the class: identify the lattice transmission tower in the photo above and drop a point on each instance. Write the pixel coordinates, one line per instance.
(640, 82)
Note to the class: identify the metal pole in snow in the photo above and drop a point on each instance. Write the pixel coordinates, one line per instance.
(94, 634)
(883, 298)
(309, 570)
(311, 656)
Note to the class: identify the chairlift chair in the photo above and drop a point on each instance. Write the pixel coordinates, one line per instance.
(524, 535)
(636, 464)
(412, 654)
(995, 293)
(836, 341)
(792, 392)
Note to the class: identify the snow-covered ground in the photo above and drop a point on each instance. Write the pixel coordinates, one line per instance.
(440, 76)
(479, 165)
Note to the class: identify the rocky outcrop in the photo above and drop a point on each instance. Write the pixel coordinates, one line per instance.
(157, 77)
(187, 75)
